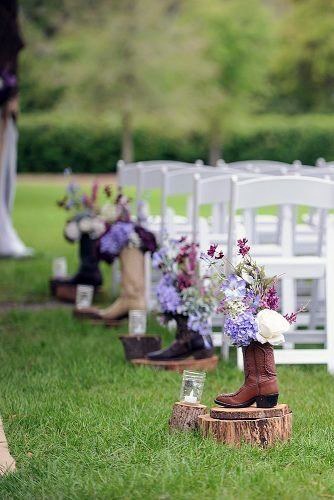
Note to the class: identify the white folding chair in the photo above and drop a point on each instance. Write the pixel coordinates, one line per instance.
(289, 192)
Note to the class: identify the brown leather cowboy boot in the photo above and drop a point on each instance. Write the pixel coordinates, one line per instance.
(132, 294)
(260, 385)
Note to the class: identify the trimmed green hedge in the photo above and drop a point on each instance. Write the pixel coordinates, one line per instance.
(47, 145)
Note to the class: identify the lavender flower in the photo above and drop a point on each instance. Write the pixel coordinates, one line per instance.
(234, 287)
(242, 329)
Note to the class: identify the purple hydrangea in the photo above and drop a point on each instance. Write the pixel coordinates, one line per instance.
(116, 238)
(242, 329)
(168, 297)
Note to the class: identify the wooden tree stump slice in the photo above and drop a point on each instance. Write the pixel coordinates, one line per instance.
(206, 364)
(137, 346)
(7, 462)
(257, 426)
(251, 412)
(185, 416)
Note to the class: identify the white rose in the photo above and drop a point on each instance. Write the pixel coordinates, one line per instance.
(72, 231)
(85, 224)
(271, 325)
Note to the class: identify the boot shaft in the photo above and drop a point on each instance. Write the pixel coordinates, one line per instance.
(132, 273)
(259, 362)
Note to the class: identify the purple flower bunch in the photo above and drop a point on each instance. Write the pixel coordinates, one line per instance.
(244, 294)
(181, 290)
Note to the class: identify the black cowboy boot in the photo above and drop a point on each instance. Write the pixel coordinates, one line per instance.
(186, 344)
(88, 273)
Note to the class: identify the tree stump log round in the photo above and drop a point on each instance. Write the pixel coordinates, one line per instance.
(257, 426)
(206, 364)
(137, 346)
(185, 416)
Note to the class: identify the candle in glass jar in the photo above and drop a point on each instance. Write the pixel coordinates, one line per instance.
(191, 398)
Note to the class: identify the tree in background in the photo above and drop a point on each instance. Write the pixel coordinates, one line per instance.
(239, 45)
(128, 57)
(304, 63)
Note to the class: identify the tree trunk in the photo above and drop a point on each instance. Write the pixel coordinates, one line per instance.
(215, 147)
(127, 137)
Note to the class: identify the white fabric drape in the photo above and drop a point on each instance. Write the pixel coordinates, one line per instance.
(10, 243)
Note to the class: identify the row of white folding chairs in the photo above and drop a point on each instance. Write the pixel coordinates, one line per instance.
(172, 178)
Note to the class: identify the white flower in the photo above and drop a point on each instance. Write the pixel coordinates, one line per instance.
(72, 231)
(108, 212)
(134, 240)
(272, 325)
(85, 224)
(98, 228)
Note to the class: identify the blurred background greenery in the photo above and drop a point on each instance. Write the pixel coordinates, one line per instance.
(175, 79)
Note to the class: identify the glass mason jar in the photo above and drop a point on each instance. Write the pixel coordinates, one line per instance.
(59, 267)
(84, 296)
(137, 322)
(192, 387)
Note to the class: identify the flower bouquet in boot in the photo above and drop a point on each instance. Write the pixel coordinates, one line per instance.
(186, 298)
(85, 226)
(127, 240)
(249, 302)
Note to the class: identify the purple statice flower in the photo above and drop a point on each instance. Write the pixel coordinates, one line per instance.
(167, 295)
(291, 318)
(184, 280)
(234, 287)
(243, 247)
(270, 300)
(197, 323)
(242, 329)
(214, 253)
(116, 238)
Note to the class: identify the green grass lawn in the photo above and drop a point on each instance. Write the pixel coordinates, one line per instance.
(83, 424)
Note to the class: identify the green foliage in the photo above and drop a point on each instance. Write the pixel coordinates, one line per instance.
(49, 145)
(302, 77)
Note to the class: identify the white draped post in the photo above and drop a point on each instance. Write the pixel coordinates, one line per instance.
(10, 243)
(11, 44)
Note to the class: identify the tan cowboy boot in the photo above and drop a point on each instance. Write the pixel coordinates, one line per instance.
(132, 294)
(7, 462)
(260, 379)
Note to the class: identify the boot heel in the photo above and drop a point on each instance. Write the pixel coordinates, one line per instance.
(203, 353)
(267, 401)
